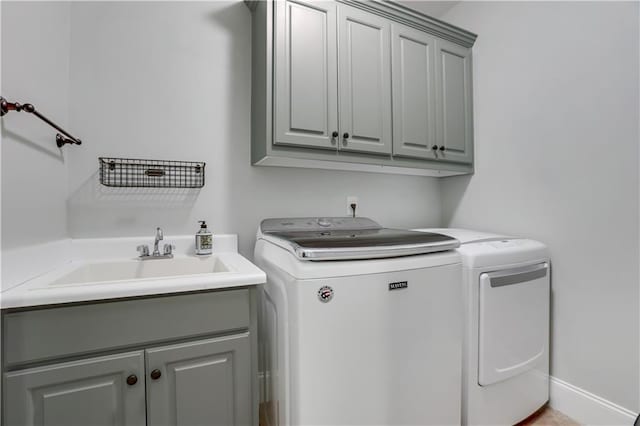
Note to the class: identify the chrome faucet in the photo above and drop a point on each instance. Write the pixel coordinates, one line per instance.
(167, 249)
(159, 236)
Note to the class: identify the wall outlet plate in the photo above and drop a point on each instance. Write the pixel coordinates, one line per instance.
(352, 199)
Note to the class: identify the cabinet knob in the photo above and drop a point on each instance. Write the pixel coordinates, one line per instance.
(132, 380)
(441, 147)
(335, 134)
(345, 136)
(435, 147)
(155, 374)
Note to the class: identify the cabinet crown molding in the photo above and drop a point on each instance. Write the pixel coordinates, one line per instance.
(416, 19)
(407, 16)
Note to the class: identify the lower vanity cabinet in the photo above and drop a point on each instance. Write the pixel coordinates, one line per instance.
(106, 390)
(202, 370)
(207, 382)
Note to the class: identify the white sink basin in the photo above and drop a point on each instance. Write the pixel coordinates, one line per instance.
(97, 270)
(135, 269)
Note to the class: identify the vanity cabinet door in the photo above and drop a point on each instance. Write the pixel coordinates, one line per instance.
(454, 130)
(305, 77)
(104, 391)
(206, 382)
(364, 49)
(414, 93)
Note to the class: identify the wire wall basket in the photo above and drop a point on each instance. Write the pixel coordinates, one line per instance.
(136, 173)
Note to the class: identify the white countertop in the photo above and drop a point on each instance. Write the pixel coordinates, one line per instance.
(39, 290)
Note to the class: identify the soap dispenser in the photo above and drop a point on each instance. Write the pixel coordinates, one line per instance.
(204, 240)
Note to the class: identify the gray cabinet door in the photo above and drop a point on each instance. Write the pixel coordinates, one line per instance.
(414, 94)
(305, 77)
(364, 81)
(206, 382)
(79, 393)
(454, 128)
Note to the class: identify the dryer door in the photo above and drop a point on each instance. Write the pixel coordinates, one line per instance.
(513, 323)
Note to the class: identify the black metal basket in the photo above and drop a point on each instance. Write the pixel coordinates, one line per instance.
(136, 173)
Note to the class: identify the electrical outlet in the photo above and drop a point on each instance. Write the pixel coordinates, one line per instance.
(352, 199)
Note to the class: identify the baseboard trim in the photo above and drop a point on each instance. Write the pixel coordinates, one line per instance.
(585, 407)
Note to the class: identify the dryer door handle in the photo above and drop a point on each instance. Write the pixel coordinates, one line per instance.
(518, 275)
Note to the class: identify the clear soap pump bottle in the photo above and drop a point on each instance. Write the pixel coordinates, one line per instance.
(204, 240)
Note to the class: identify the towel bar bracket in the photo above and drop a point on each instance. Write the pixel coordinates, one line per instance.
(61, 139)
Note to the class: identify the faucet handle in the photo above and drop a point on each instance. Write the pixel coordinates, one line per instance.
(143, 249)
(168, 248)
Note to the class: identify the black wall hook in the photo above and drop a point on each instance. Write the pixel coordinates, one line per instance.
(61, 139)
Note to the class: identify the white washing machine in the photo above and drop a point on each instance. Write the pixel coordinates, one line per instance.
(506, 338)
(360, 325)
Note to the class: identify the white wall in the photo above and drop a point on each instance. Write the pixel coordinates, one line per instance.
(171, 80)
(556, 133)
(35, 69)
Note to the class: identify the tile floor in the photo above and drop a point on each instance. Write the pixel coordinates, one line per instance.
(547, 416)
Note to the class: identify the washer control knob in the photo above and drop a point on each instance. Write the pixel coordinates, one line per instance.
(323, 221)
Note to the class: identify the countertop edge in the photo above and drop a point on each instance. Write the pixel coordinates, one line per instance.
(36, 293)
(22, 300)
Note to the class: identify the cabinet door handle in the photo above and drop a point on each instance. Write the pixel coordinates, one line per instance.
(345, 136)
(334, 137)
(155, 374)
(132, 380)
(435, 147)
(441, 147)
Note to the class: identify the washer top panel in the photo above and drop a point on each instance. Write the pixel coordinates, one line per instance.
(338, 238)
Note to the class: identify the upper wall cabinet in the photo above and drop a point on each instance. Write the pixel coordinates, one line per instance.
(454, 125)
(364, 81)
(360, 85)
(306, 75)
(414, 94)
(310, 87)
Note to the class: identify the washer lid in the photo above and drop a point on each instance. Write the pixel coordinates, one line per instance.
(466, 236)
(350, 238)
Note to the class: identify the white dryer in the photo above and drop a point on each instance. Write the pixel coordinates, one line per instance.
(360, 325)
(506, 338)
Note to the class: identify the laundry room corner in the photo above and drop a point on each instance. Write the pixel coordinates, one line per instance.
(546, 169)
